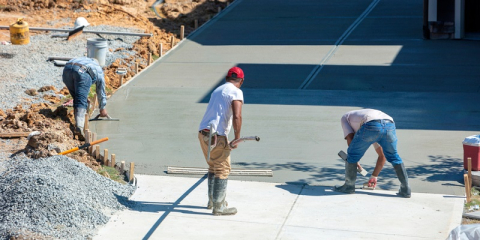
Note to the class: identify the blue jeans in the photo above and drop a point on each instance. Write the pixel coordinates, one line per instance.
(379, 131)
(78, 85)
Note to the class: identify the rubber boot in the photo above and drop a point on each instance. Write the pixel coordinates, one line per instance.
(219, 194)
(403, 177)
(80, 122)
(211, 178)
(350, 178)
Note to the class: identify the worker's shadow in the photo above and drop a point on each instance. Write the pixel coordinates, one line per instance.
(165, 207)
(323, 191)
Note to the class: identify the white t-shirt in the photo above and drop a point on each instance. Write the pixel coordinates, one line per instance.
(219, 110)
(353, 120)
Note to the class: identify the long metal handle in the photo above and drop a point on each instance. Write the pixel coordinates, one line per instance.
(243, 139)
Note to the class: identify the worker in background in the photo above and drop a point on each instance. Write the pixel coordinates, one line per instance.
(363, 128)
(78, 75)
(223, 110)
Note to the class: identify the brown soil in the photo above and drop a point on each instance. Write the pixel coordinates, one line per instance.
(55, 122)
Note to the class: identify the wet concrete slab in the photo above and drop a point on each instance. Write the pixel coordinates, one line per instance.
(307, 63)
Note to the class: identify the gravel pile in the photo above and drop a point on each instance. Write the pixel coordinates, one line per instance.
(56, 197)
(25, 67)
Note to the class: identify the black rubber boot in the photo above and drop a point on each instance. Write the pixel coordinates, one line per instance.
(350, 178)
(403, 177)
(219, 194)
(211, 178)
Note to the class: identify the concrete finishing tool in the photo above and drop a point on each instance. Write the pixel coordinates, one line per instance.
(108, 118)
(344, 156)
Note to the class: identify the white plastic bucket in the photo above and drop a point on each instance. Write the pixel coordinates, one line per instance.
(97, 48)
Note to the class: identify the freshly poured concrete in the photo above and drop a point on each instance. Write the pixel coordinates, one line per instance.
(306, 63)
(175, 208)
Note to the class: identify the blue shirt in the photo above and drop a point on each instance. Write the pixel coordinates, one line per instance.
(98, 79)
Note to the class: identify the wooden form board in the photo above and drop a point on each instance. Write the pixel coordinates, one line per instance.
(234, 172)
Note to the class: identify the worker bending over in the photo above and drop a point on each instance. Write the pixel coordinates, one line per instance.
(363, 128)
(78, 75)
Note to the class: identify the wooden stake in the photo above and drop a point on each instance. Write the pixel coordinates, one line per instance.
(172, 42)
(92, 138)
(122, 166)
(182, 32)
(85, 125)
(121, 80)
(87, 136)
(228, 3)
(97, 152)
(195, 24)
(467, 188)
(105, 157)
(112, 163)
(161, 50)
(470, 170)
(136, 68)
(219, 9)
(132, 168)
(149, 59)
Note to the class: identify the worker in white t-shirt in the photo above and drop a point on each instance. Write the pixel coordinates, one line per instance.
(363, 128)
(224, 110)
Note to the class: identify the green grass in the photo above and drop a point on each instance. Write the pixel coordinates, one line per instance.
(113, 173)
(155, 57)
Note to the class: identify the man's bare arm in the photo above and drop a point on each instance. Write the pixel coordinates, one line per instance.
(380, 161)
(237, 117)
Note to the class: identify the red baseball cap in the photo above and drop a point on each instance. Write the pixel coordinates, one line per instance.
(235, 72)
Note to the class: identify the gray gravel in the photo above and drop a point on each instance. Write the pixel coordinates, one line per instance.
(25, 67)
(57, 197)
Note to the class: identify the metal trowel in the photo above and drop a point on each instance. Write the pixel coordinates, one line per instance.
(344, 156)
(108, 118)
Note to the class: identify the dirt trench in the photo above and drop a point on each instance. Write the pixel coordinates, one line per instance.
(55, 121)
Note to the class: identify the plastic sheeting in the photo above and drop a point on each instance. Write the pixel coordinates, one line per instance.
(472, 140)
(465, 232)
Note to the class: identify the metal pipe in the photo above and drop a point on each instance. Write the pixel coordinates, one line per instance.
(60, 58)
(85, 31)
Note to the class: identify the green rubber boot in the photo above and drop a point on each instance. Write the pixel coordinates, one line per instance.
(350, 178)
(211, 178)
(219, 195)
(403, 177)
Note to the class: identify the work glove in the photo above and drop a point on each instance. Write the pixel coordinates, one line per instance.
(372, 182)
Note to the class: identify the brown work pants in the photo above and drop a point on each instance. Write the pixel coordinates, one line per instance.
(219, 162)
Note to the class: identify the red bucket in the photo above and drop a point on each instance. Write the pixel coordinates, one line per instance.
(471, 149)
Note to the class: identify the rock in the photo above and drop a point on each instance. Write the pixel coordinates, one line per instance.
(47, 88)
(31, 92)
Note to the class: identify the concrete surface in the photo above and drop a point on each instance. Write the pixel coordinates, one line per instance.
(175, 208)
(306, 63)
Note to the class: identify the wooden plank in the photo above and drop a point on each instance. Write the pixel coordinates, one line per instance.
(85, 125)
(14, 134)
(233, 172)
